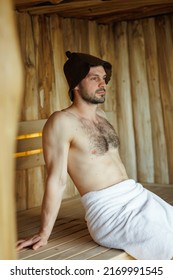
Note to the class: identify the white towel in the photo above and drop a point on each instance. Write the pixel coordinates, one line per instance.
(129, 217)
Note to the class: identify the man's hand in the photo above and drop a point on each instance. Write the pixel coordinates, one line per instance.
(35, 242)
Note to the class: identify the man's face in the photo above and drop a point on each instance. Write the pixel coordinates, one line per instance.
(92, 88)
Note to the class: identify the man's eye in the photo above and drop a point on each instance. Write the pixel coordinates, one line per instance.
(94, 78)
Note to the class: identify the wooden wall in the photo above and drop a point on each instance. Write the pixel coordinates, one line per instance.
(139, 102)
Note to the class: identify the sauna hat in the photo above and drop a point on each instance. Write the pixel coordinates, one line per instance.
(78, 65)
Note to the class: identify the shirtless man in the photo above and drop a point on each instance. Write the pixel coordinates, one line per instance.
(80, 141)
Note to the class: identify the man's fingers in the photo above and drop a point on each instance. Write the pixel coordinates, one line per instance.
(39, 244)
(19, 242)
(29, 242)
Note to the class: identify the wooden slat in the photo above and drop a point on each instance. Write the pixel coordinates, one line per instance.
(21, 190)
(30, 161)
(11, 90)
(29, 144)
(44, 65)
(164, 191)
(136, 13)
(105, 11)
(124, 100)
(60, 99)
(111, 254)
(140, 99)
(158, 135)
(30, 100)
(92, 252)
(29, 127)
(36, 186)
(34, 2)
(164, 34)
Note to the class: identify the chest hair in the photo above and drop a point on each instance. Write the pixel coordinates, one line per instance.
(102, 135)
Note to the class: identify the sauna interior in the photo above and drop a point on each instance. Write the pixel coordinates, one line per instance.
(137, 38)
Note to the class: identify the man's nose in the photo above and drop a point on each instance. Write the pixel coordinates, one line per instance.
(102, 83)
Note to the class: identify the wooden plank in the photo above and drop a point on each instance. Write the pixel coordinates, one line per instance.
(71, 190)
(29, 127)
(35, 177)
(140, 99)
(164, 35)
(94, 38)
(30, 100)
(29, 144)
(44, 64)
(165, 192)
(61, 99)
(158, 134)
(124, 100)
(29, 161)
(106, 41)
(136, 13)
(68, 34)
(62, 251)
(93, 252)
(11, 90)
(28, 3)
(97, 9)
(20, 190)
(112, 254)
(76, 246)
(62, 228)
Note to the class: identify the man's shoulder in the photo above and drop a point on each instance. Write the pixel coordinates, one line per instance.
(58, 118)
(59, 123)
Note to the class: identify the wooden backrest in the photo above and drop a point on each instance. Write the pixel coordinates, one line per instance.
(29, 144)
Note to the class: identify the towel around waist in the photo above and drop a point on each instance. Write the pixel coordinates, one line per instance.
(118, 194)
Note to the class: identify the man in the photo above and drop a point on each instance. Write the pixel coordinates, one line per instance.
(79, 140)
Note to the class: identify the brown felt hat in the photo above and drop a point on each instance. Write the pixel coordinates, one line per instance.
(78, 65)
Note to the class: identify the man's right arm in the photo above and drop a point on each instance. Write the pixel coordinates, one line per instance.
(56, 142)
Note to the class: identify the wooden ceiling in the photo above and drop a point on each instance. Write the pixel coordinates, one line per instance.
(103, 11)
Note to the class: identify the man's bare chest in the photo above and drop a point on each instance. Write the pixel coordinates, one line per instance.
(100, 136)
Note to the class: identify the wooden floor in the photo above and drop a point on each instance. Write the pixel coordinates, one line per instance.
(70, 238)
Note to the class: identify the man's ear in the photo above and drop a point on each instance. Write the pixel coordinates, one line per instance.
(75, 91)
(76, 88)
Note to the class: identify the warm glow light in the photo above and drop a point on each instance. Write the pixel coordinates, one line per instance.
(26, 136)
(28, 153)
(32, 152)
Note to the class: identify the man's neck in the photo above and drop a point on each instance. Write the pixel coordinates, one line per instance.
(85, 110)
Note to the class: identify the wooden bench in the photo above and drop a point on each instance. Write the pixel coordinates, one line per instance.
(70, 238)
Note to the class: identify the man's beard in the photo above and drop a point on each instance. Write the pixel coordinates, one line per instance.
(93, 99)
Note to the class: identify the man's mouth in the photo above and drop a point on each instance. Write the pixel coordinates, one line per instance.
(101, 91)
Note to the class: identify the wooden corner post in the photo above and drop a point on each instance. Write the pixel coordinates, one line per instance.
(11, 89)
